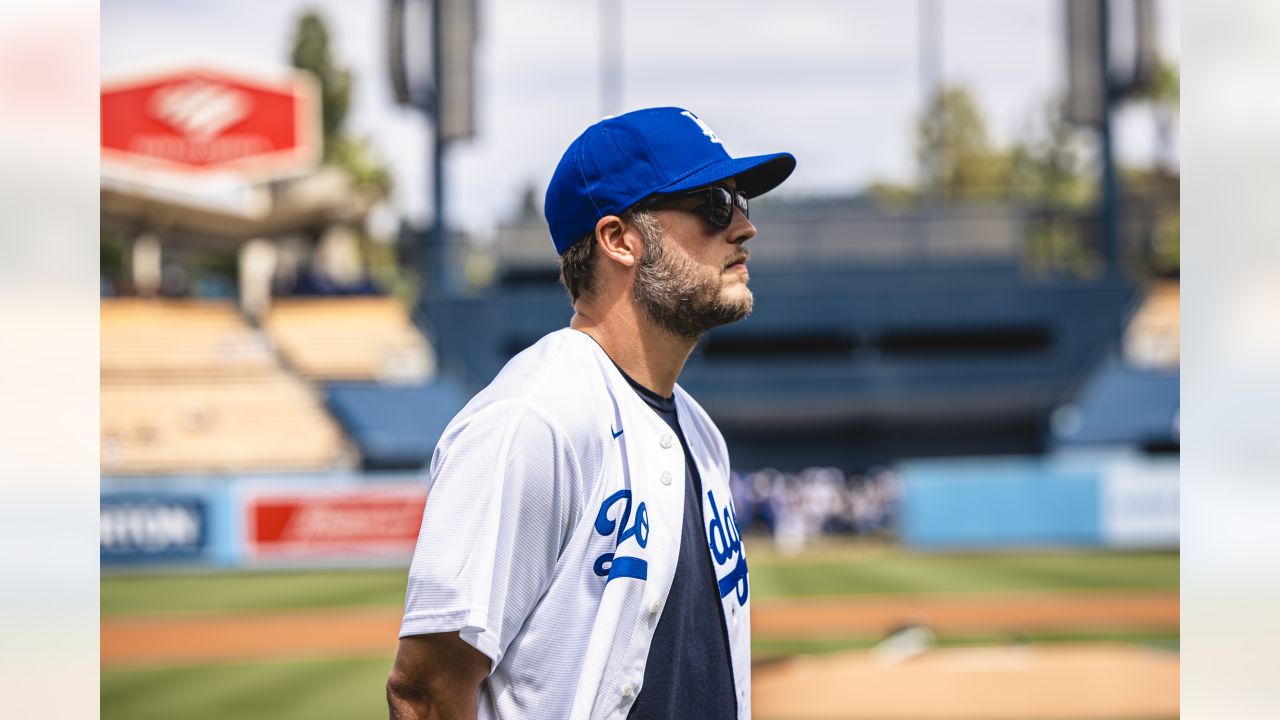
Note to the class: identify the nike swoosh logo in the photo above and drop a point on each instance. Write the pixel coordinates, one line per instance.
(615, 434)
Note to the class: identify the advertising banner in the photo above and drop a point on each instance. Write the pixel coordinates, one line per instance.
(143, 528)
(381, 522)
(193, 119)
(1140, 503)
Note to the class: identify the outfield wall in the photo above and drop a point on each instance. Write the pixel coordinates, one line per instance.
(353, 519)
(1101, 499)
(260, 521)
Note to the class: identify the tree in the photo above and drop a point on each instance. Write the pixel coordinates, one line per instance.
(953, 151)
(311, 52)
(1051, 173)
(355, 155)
(1164, 95)
(362, 163)
(1048, 165)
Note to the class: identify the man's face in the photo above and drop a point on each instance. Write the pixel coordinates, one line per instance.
(692, 275)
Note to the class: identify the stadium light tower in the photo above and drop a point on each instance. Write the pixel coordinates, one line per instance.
(610, 57)
(930, 49)
(1111, 55)
(440, 84)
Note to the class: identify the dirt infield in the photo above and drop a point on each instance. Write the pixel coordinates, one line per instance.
(975, 613)
(1098, 680)
(372, 631)
(250, 636)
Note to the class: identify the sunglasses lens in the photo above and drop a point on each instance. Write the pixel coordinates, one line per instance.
(718, 204)
(720, 211)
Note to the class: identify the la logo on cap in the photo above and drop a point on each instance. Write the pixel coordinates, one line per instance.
(706, 129)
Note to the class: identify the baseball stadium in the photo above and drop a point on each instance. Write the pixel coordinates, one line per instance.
(952, 415)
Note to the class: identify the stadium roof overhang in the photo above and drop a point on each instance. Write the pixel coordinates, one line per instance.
(232, 215)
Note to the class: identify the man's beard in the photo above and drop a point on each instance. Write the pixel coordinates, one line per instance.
(678, 295)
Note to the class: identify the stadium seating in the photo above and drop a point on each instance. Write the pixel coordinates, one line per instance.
(177, 338)
(190, 387)
(270, 422)
(395, 427)
(349, 339)
(1153, 338)
(1131, 399)
(1122, 405)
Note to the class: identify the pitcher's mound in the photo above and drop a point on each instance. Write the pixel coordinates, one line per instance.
(1097, 680)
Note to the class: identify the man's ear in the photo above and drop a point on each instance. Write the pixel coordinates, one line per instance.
(617, 242)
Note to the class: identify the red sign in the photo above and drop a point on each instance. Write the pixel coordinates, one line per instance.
(375, 521)
(199, 120)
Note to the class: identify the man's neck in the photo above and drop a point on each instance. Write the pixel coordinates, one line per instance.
(651, 355)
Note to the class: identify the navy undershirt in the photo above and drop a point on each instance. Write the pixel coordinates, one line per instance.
(688, 673)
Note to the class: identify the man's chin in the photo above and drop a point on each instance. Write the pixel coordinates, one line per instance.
(739, 302)
(735, 296)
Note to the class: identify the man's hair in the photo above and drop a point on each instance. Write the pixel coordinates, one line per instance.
(578, 263)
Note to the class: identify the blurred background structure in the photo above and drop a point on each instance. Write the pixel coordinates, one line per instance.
(953, 415)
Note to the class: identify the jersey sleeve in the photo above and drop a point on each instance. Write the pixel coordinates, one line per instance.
(504, 488)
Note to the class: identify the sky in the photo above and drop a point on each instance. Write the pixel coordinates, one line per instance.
(835, 82)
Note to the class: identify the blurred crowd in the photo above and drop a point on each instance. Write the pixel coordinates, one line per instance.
(797, 507)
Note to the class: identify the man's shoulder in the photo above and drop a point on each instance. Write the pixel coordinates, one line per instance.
(557, 378)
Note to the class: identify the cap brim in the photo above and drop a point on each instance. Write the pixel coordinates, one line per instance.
(755, 175)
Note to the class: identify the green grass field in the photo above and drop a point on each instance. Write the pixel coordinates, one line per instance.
(824, 572)
(318, 689)
(352, 687)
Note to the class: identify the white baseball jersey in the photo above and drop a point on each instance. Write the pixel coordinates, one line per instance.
(552, 530)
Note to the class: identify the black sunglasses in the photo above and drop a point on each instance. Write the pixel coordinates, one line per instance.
(718, 200)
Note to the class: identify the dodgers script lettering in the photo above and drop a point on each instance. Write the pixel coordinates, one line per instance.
(726, 543)
(607, 564)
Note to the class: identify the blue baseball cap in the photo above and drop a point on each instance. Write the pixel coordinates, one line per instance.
(622, 160)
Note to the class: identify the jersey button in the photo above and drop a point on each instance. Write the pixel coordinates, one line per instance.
(655, 607)
(666, 441)
(666, 477)
(628, 691)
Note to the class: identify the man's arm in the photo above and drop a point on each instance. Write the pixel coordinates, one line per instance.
(435, 677)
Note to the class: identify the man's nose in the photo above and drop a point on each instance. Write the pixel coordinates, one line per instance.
(741, 230)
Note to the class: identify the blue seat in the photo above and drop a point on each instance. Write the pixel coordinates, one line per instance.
(1123, 405)
(395, 426)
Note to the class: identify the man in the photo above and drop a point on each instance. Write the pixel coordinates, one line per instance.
(579, 556)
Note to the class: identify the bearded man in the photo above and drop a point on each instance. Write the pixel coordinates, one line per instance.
(579, 555)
